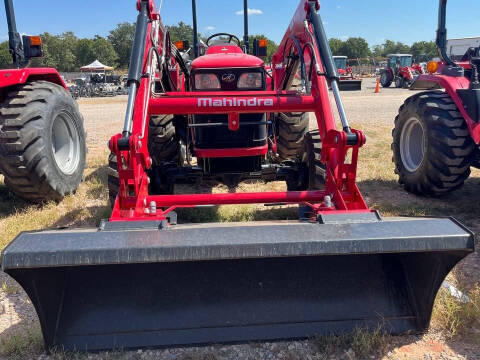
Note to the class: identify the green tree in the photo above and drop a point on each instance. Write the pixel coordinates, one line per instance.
(271, 45)
(181, 32)
(337, 46)
(121, 39)
(84, 52)
(356, 48)
(104, 51)
(391, 47)
(5, 57)
(424, 50)
(59, 52)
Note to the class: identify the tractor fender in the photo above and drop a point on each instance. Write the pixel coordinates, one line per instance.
(451, 84)
(13, 77)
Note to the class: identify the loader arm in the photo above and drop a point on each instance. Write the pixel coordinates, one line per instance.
(305, 40)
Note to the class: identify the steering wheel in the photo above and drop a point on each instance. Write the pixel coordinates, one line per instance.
(230, 38)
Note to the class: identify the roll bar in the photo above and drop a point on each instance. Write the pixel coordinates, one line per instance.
(195, 27)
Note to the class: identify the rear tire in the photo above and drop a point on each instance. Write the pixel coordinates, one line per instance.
(42, 142)
(385, 79)
(163, 145)
(432, 147)
(292, 130)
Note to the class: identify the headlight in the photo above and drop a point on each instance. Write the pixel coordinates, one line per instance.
(206, 82)
(250, 81)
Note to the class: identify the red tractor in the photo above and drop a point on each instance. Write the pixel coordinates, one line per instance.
(140, 280)
(437, 132)
(400, 70)
(347, 80)
(42, 140)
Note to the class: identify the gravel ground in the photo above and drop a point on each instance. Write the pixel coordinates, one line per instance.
(103, 117)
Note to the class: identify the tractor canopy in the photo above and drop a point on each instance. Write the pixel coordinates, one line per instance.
(400, 60)
(340, 62)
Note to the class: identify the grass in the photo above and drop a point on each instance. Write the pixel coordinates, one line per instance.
(10, 288)
(25, 342)
(455, 317)
(361, 343)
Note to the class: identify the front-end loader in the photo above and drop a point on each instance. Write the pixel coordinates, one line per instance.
(436, 137)
(42, 139)
(347, 81)
(139, 280)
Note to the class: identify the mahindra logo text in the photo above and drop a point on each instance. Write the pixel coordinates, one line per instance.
(234, 102)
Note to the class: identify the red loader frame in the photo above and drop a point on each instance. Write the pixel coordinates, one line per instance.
(305, 37)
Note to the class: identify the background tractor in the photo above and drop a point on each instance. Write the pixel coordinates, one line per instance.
(400, 70)
(437, 133)
(347, 80)
(42, 140)
(140, 280)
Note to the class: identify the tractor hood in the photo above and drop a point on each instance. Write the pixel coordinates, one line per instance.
(223, 56)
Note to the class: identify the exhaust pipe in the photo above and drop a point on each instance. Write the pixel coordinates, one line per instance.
(245, 25)
(14, 41)
(195, 29)
(441, 41)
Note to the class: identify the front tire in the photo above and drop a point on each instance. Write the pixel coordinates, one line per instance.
(291, 133)
(385, 79)
(42, 142)
(432, 147)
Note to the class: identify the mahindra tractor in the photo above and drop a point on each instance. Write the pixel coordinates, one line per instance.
(347, 80)
(42, 140)
(437, 132)
(145, 278)
(401, 70)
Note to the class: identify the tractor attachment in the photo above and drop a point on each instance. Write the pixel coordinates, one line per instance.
(350, 85)
(131, 285)
(347, 81)
(143, 281)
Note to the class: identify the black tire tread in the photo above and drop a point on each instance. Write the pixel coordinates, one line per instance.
(450, 148)
(292, 130)
(313, 153)
(22, 157)
(162, 142)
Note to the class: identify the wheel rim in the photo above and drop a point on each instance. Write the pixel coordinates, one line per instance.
(65, 143)
(412, 144)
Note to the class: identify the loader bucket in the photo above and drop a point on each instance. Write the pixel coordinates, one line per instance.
(350, 85)
(124, 287)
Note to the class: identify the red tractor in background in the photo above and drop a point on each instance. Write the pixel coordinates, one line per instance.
(437, 132)
(347, 80)
(400, 70)
(42, 140)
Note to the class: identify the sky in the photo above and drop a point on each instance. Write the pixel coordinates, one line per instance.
(374, 20)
